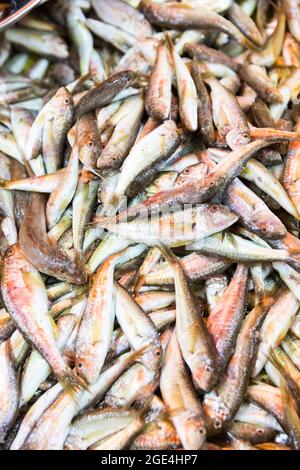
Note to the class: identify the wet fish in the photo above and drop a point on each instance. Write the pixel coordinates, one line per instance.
(181, 401)
(28, 307)
(38, 248)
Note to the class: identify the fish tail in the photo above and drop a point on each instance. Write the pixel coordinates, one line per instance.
(80, 262)
(102, 221)
(169, 41)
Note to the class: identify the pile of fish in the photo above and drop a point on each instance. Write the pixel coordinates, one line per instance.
(149, 231)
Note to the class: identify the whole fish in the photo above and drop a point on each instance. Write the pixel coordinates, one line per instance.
(124, 135)
(194, 339)
(181, 401)
(9, 388)
(159, 96)
(96, 326)
(28, 306)
(221, 404)
(225, 319)
(102, 94)
(144, 157)
(173, 228)
(185, 16)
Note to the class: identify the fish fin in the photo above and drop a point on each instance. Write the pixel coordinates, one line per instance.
(183, 6)
(102, 221)
(3, 183)
(276, 364)
(94, 172)
(167, 253)
(54, 326)
(80, 262)
(231, 239)
(169, 41)
(72, 383)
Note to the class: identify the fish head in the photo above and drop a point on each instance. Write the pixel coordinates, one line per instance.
(190, 427)
(12, 254)
(218, 217)
(108, 160)
(268, 228)
(89, 151)
(70, 270)
(214, 412)
(237, 138)
(63, 102)
(205, 375)
(152, 357)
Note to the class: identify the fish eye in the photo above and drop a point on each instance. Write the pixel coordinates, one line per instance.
(208, 369)
(201, 431)
(260, 431)
(90, 144)
(67, 101)
(157, 352)
(245, 136)
(211, 183)
(9, 252)
(217, 423)
(79, 365)
(214, 208)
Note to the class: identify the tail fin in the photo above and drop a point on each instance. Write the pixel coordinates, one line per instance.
(80, 262)
(169, 41)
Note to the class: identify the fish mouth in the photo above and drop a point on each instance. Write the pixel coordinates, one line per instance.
(12, 18)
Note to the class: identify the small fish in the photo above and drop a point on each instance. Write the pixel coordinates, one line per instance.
(246, 25)
(80, 36)
(124, 16)
(159, 96)
(205, 117)
(272, 48)
(184, 16)
(102, 94)
(187, 92)
(221, 404)
(28, 306)
(9, 391)
(38, 42)
(228, 116)
(144, 157)
(180, 399)
(96, 425)
(93, 339)
(226, 318)
(258, 79)
(137, 327)
(173, 228)
(123, 136)
(196, 267)
(275, 327)
(63, 194)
